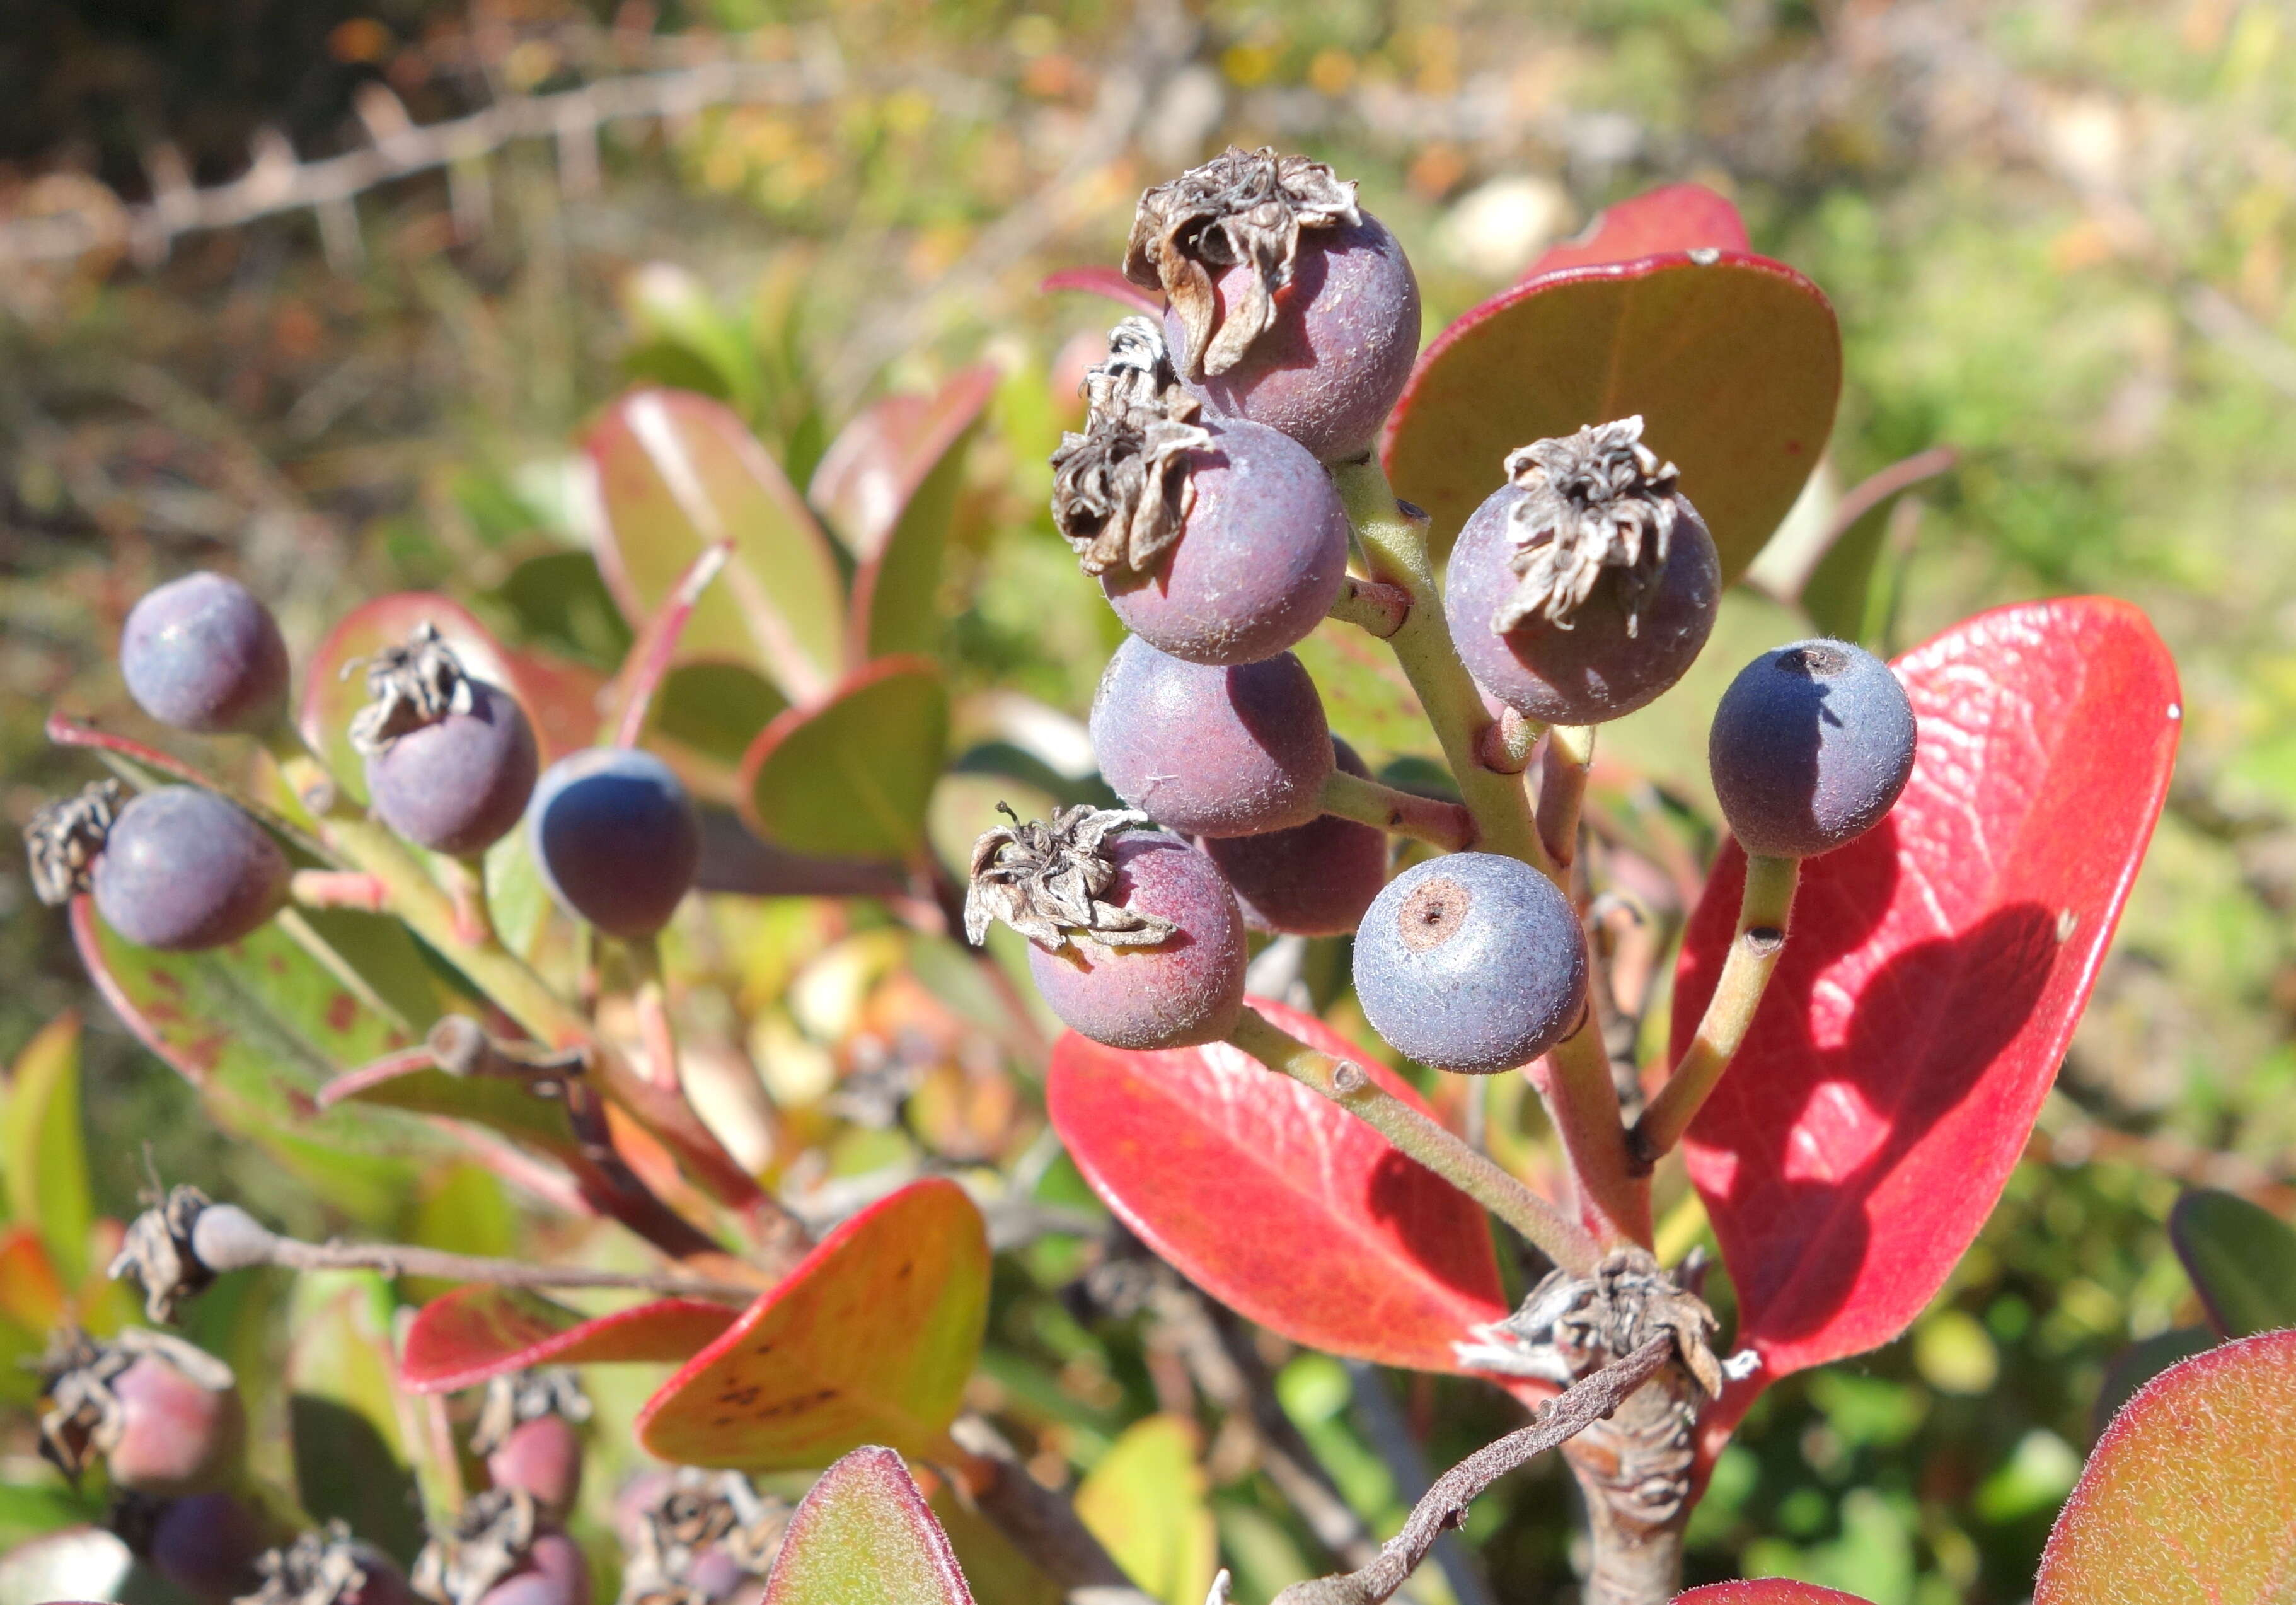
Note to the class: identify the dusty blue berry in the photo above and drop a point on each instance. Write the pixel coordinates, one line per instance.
(1471, 962)
(616, 838)
(183, 869)
(460, 783)
(1210, 751)
(202, 654)
(1810, 746)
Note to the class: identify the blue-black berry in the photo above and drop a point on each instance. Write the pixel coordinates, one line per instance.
(1810, 746)
(616, 838)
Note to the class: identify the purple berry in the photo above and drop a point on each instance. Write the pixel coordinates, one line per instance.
(182, 868)
(1585, 587)
(544, 1456)
(1210, 751)
(207, 1545)
(552, 1573)
(1471, 962)
(1290, 305)
(1315, 879)
(616, 838)
(1810, 746)
(459, 783)
(177, 1434)
(1178, 992)
(201, 653)
(1260, 557)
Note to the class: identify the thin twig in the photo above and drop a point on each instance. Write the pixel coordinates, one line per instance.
(409, 1259)
(1589, 1400)
(1388, 1433)
(1434, 820)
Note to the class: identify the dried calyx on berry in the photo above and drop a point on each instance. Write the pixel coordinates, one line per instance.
(327, 1567)
(528, 1396)
(409, 687)
(1597, 502)
(1241, 208)
(1120, 489)
(184, 1242)
(490, 1540)
(90, 1414)
(706, 1534)
(64, 839)
(1048, 881)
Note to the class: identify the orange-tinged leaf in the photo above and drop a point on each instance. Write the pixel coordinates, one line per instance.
(31, 1293)
(477, 1332)
(869, 1339)
(863, 1536)
(2190, 1496)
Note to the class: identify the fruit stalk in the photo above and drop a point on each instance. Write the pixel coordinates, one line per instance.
(1561, 789)
(1416, 1135)
(1430, 820)
(1395, 543)
(1374, 608)
(1583, 1101)
(1764, 913)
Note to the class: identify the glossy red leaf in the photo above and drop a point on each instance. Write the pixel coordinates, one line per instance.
(1933, 976)
(864, 1533)
(2190, 1496)
(1107, 282)
(678, 471)
(869, 1339)
(1673, 216)
(1733, 363)
(477, 1332)
(1767, 1591)
(1276, 1202)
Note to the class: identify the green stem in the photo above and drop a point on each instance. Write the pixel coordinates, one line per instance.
(1430, 820)
(1561, 790)
(1583, 1101)
(1419, 1136)
(1764, 913)
(1395, 546)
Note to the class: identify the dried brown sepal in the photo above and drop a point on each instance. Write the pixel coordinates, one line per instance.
(64, 839)
(1048, 881)
(322, 1568)
(85, 1417)
(157, 1250)
(409, 687)
(1241, 207)
(1598, 502)
(1569, 1325)
(1121, 490)
(528, 1396)
(489, 1540)
(702, 1513)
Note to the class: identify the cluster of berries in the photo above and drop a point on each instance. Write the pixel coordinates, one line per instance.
(1201, 493)
(451, 765)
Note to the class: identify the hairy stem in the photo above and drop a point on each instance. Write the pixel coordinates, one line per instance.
(1764, 913)
(1374, 608)
(1583, 1102)
(1429, 819)
(1395, 544)
(1415, 1134)
(1445, 1506)
(1561, 789)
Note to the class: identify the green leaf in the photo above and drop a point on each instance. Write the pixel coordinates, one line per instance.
(2241, 1258)
(896, 593)
(716, 709)
(26, 1511)
(1734, 362)
(1146, 1502)
(342, 1418)
(1368, 700)
(863, 1533)
(2186, 1500)
(852, 777)
(672, 310)
(42, 1151)
(677, 472)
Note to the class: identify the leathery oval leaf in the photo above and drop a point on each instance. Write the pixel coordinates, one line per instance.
(1767, 1591)
(869, 1339)
(852, 777)
(473, 1333)
(676, 472)
(1673, 216)
(865, 1532)
(897, 594)
(1275, 1201)
(2190, 1496)
(42, 1152)
(1932, 975)
(1732, 361)
(2241, 1259)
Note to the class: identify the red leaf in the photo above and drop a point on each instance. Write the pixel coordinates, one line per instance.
(648, 658)
(1276, 1202)
(1767, 1591)
(1935, 971)
(1673, 216)
(1107, 282)
(877, 461)
(477, 1332)
(870, 1339)
(864, 1533)
(2190, 1496)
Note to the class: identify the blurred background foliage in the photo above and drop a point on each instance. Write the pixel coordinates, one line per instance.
(2057, 234)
